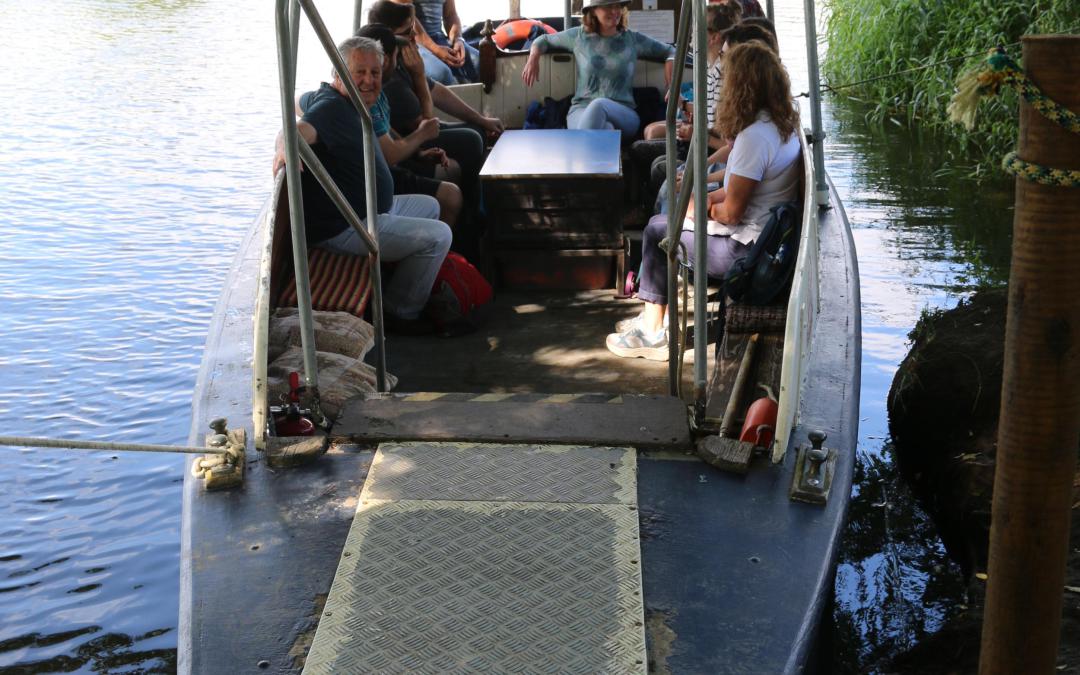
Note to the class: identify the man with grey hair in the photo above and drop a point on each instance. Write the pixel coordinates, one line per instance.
(408, 230)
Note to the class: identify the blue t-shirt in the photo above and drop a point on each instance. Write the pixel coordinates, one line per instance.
(605, 65)
(380, 116)
(340, 148)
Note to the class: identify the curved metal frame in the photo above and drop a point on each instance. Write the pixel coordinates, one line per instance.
(803, 303)
(287, 19)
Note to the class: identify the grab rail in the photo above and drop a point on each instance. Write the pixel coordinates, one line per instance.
(675, 216)
(287, 24)
(700, 148)
(695, 175)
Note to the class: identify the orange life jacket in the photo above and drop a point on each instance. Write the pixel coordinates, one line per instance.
(513, 31)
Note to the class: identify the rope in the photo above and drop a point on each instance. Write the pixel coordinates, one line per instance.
(999, 70)
(67, 444)
(1037, 173)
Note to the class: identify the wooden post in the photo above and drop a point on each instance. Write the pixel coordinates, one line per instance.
(515, 9)
(1039, 429)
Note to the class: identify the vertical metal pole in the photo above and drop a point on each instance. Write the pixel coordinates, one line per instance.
(674, 226)
(287, 76)
(369, 186)
(294, 42)
(1039, 424)
(821, 187)
(566, 15)
(358, 16)
(374, 259)
(701, 215)
(769, 11)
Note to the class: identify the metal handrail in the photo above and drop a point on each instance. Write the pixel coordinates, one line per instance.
(287, 25)
(695, 176)
(700, 148)
(675, 216)
(821, 187)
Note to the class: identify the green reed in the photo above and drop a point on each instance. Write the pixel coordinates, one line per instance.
(872, 38)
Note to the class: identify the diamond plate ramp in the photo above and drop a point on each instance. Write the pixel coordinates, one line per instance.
(543, 581)
(511, 473)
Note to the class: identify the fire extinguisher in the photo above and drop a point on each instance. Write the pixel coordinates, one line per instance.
(290, 419)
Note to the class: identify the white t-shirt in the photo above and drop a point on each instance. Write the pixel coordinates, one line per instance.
(760, 154)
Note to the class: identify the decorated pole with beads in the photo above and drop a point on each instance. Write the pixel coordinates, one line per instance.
(1039, 429)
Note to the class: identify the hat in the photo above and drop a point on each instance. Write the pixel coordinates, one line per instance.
(589, 4)
(383, 35)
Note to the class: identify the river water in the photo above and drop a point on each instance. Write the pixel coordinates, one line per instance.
(135, 151)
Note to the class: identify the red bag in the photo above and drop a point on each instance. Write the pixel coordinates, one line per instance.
(460, 298)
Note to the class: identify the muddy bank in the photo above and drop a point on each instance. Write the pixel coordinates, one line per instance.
(943, 414)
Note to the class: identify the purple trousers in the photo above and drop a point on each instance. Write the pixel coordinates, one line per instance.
(721, 253)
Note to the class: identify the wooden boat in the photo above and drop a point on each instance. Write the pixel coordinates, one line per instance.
(523, 501)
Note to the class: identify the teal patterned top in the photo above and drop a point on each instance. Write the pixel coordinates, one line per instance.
(605, 65)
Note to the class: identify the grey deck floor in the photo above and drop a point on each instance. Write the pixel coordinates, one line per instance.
(545, 342)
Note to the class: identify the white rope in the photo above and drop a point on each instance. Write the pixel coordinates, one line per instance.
(68, 444)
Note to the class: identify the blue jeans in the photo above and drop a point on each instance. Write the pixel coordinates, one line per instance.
(412, 236)
(603, 113)
(437, 69)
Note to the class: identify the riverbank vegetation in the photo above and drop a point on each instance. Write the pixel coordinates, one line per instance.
(911, 51)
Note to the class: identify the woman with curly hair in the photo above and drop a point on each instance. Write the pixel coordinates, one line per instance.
(605, 52)
(763, 170)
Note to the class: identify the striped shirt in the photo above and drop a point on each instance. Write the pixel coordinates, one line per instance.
(712, 90)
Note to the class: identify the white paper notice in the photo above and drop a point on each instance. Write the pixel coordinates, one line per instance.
(658, 24)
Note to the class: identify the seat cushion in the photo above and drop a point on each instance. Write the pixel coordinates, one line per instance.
(339, 283)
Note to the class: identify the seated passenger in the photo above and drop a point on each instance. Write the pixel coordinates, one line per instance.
(605, 55)
(413, 100)
(718, 18)
(396, 148)
(408, 232)
(763, 170)
(742, 32)
(448, 59)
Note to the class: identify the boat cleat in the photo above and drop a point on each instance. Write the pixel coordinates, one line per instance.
(222, 470)
(814, 470)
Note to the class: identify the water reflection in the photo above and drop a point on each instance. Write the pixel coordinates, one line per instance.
(926, 236)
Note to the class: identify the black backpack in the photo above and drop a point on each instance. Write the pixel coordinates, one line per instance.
(758, 277)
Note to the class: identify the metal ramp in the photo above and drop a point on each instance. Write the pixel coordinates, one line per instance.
(640, 421)
(469, 558)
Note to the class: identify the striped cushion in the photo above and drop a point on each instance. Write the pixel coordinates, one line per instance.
(339, 283)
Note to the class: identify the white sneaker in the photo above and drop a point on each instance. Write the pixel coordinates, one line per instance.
(635, 344)
(634, 322)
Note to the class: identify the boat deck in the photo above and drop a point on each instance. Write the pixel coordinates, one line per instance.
(532, 342)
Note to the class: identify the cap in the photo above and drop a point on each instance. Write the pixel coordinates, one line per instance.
(386, 37)
(589, 4)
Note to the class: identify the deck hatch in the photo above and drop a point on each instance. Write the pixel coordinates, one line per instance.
(503, 580)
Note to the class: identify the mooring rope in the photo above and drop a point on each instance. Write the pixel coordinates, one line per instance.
(999, 69)
(69, 444)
